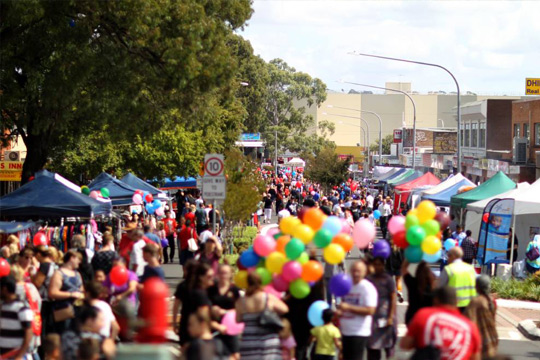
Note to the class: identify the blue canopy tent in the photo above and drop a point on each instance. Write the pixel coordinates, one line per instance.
(48, 197)
(444, 197)
(120, 193)
(136, 183)
(10, 227)
(180, 183)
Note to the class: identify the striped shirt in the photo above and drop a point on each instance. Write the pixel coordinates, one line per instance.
(15, 318)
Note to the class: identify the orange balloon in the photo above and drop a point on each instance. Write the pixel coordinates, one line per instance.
(344, 240)
(439, 235)
(314, 218)
(281, 242)
(312, 271)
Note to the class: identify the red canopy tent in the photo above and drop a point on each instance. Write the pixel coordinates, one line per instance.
(402, 192)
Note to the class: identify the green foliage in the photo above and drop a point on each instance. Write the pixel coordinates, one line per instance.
(528, 289)
(326, 168)
(243, 237)
(386, 142)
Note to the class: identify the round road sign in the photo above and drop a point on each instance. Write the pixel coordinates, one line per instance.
(213, 167)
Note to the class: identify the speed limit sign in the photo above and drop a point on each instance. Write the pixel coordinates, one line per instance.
(213, 165)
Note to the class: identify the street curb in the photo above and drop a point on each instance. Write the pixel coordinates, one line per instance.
(529, 329)
(517, 304)
(508, 318)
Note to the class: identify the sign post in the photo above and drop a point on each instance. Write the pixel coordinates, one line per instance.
(214, 182)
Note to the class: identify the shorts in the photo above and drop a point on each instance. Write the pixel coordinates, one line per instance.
(232, 343)
(354, 347)
(186, 255)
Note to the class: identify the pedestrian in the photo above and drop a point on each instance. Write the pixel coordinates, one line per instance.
(51, 347)
(201, 218)
(205, 234)
(136, 259)
(128, 291)
(153, 267)
(95, 292)
(41, 281)
(459, 235)
(328, 338)
(386, 212)
(532, 260)
(104, 257)
(356, 312)
(288, 344)
(211, 253)
(419, 288)
(469, 248)
(203, 345)
(447, 235)
(441, 332)
(267, 209)
(170, 226)
(393, 267)
(516, 246)
(460, 276)
(482, 312)
(184, 236)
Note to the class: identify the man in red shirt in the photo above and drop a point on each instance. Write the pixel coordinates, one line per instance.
(170, 231)
(443, 327)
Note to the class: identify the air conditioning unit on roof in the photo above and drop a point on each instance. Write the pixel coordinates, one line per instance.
(12, 155)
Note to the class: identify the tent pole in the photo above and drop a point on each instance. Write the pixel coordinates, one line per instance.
(513, 235)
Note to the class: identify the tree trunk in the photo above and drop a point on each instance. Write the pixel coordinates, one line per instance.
(37, 148)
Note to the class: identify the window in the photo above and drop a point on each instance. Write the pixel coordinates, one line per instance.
(516, 130)
(537, 134)
(467, 143)
(482, 141)
(526, 131)
(474, 134)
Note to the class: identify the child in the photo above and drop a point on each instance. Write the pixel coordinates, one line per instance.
(288, 344)
(51, 347)
(152, 268)
(203, 346)
(327, 336)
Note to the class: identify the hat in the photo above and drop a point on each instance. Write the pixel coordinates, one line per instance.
(126, 213)
(130, 226)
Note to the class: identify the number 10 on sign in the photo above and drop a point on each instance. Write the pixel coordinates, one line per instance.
(213, 165)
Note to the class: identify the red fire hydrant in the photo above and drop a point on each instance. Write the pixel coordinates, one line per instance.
(153, 311)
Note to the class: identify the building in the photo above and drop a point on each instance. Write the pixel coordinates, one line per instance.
(526, 135)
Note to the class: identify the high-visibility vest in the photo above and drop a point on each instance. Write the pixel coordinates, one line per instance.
(462, 277)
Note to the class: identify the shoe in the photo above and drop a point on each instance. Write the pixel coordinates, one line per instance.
(400, 297)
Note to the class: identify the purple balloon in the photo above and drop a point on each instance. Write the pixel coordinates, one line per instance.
(381, 249)
(164, 242)
(340, 284)
(280, 284)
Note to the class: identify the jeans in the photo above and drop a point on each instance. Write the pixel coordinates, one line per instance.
(354, 347)
(267, 214)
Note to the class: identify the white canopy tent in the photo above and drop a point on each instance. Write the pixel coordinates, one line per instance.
(296, 162)
(448, 183)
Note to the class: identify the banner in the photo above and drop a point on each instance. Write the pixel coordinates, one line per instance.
(11, 170)
(444, 142)
(493, 237)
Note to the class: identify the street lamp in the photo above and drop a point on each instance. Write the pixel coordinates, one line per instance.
(355, 117)
(458, 94)
(367, 112)
(414, 113)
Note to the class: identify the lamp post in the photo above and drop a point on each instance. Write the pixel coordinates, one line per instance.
(458, 94)
(355, 117)
(414, 113)
(367, 112)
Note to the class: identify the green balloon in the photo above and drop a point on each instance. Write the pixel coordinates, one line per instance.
(413, 254)
(262, 263)
(278, 235)
(322, 238)
(415, 235)
(294, 248)
(266, 276)
(411, 220)
(303, 258)
(85, 190)
(299, 289)
(431, 227)
(105, 192)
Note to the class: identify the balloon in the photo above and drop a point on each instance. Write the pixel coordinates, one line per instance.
(411, 220)
(415, 235)
(333, 225)
(272, 231)
(396, 224)
(160, 212)
(426, 211)
(294, 248)
(443, 219)
(340, 284)
(229, 320)
(432, 258)
(140, 192)
(485, 217)
(413, 254)
(288, 224)
(291, 271)
(315, 312)
(149, 209)
(85, 190)
(264, 245)
(282, 242)
(119, 275)
(299, 289)
(400, 239)
(344, 240)
(240, 279)
(164, 242)
(333, 254)
(304, 233)
(381, 249)
(266, 276)
(303, 258)
(449, 243)
(377, 214)
(5, 269)
(363, 233)
(322, 238)
(345, 227)
(314, 218)
(431, 227)
(280, 284)
(431, 245)
(94, 194)
(149, 198)
(249, 258)
(39, 239)
(137, 199)
(104, 192)
(275, 262)
(270, 289)
(156, 204)
(312, 271)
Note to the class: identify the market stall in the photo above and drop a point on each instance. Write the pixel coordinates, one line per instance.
(441, 194)
(498, 184)
(402, 192)
(120, 193)
(139, 184)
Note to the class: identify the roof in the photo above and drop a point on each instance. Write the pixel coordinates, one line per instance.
(414, 175)
(444, 196)
(497, 184)
(426, 179)
(179, 183)
(119, 192)
(136, 183)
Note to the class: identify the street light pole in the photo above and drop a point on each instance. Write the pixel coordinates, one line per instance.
(414, 113)
(458, 95)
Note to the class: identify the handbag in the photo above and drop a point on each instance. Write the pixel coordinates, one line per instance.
(192, 243)
(269, 319)
(36, 320)
(533, 253)
(64, 313)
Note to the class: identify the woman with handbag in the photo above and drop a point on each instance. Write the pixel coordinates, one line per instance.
(187, 238)
(260, 312)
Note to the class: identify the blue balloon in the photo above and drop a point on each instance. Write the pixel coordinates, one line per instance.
(449, 243)
(249, 258)
(381, 249)
(432, 258)
(340, 284)
(333, 225)
(315, 311)
(376, 214)
(156, 204)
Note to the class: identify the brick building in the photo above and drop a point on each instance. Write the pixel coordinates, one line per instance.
(526, 125)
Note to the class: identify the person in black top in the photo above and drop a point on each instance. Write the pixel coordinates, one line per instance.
(204, 346)
(516, 246)
(419, 288)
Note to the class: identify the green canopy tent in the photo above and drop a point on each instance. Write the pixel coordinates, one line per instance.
(498, 184)
(402, 176)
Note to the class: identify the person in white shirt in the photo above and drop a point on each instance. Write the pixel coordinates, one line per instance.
(370, 201)
(205, 234)
(136, 260)
(110, 327)
(356, 313)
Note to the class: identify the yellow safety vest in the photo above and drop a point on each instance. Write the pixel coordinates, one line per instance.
(462, 277)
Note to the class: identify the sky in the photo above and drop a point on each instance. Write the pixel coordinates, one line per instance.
(490, 46)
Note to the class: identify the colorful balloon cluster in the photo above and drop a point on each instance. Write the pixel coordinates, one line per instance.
(419, 233)
(94, 194)
(152, 206)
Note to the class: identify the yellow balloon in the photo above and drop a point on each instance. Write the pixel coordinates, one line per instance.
(304, 233)
(412, 212)
(426, 211)
(240, 279)
(431, 245)
(275, 261)
(333, 254)
(288, 224)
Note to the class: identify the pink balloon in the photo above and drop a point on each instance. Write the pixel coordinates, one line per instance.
(291, 271)
(137, 199)
(280, 284)
(396, 224)
(269, 289)
(272, 231)
(264, 245)
(345, 227)
(160, 211)
(94, 194)
(229, 320)
(363, 233)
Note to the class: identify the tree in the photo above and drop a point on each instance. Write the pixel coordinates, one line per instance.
(386, 142)
(326, 168)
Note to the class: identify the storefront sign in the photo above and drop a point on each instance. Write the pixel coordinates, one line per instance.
(398, 136)
(11, 170)
(444, 143)
(532, 86)
(424, 138)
